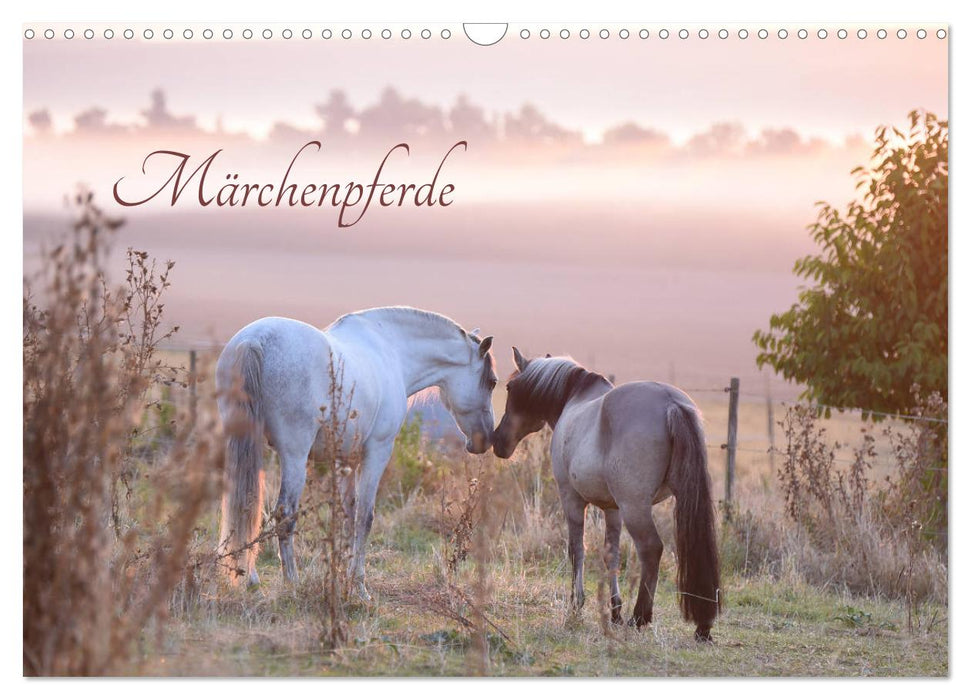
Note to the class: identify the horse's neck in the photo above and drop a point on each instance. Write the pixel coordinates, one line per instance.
(426, 362)
(595, 388)
(427, 346)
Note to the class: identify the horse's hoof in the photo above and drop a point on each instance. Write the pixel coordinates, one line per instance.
(615, 616)
(703, 634)
(254, 589)
(616, 605)
(362, 593)
(637, 622)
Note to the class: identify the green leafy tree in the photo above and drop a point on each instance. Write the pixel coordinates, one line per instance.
(873, 323)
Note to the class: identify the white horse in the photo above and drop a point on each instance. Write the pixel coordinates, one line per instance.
(283, 368)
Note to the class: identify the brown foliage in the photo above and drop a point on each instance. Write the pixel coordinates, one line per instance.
(99, 566)
(888, 538)
(328, 526)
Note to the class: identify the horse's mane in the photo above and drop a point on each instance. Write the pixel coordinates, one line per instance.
(398, 312)
(547, 383)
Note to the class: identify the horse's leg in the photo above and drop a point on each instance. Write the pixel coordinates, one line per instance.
(641, 526)
(293, 475)
(376, 457)
(293, 443)
(612, 560)
(575, 508)
(348, 496)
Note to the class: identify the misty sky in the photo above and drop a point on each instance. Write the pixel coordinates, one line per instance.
(687, 219)
(828, 88)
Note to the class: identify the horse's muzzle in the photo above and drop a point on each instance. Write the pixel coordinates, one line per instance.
(502, 448)
(479, 443)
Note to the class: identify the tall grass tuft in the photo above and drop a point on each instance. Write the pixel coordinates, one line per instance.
(844, 529)
(100, 560)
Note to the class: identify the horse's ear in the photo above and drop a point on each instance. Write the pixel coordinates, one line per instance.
(548, 355)
(474, 335)
(484, 346)
(521, 361)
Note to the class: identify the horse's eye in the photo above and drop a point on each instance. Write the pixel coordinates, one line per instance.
(492, 384)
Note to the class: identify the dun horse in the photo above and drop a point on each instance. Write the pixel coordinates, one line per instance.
(284, 368)
(623, 449)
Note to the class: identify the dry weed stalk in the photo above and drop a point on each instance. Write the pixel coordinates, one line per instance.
(919, 489)
(478, 658)
(460, 540)
(324, 521)
(473, 532)
(872, 540)
(330, 493)
(95, 577)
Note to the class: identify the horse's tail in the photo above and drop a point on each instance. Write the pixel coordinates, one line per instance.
(243, 484)
(694, 514)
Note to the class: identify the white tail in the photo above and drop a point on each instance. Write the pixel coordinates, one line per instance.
(243, 482)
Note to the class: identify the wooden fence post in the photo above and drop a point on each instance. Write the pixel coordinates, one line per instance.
(730, 447)
(193, 399)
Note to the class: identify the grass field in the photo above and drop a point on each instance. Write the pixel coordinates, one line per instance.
(770, 626)
(422, 621)
(789, 607)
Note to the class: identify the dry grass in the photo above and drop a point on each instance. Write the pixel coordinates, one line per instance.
(102, 554)
(838, 527)
(503, 608)
(499, 612)
(417, 625)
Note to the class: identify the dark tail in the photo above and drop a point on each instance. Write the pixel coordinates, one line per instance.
(243, 492)
(694, 514)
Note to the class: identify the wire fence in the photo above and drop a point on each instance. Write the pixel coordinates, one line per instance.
(814, 405)
(763, 445)
(882, 455)
(756, 447)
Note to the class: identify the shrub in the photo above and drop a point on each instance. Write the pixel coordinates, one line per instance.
(99, 565)
(851, 532)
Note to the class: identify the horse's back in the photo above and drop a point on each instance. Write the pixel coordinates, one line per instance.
(295, 372)
(287, 346)
(274, 333)
(278, 330)
(637, 411)
(633, 443)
